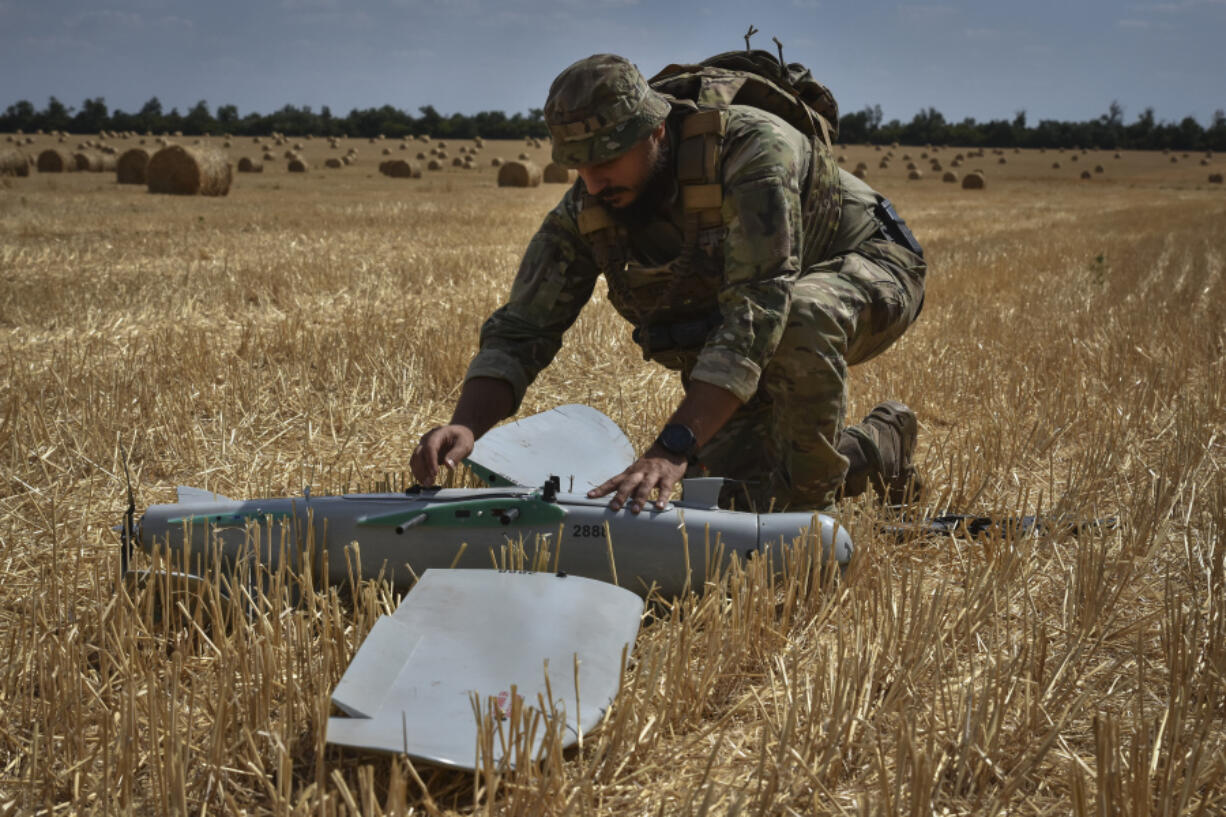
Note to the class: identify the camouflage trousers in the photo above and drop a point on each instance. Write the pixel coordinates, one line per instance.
(782, 447)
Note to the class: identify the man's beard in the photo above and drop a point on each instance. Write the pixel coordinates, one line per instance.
(655, 190)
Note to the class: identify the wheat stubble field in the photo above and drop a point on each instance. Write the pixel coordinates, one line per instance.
(306, 329)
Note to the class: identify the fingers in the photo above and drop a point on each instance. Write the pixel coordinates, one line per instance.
(444, 445)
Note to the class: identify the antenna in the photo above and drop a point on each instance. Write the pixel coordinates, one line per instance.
(779, 45)
(129, 526)
(752, 31)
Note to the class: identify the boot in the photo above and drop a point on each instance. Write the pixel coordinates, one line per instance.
(879, 450)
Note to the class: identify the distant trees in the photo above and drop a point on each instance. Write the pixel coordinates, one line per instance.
(1108, 131)
(927, 126)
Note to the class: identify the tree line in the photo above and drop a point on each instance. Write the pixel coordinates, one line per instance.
(1108, 131)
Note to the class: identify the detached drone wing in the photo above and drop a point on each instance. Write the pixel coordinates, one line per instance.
(491, 634)
(575, 442)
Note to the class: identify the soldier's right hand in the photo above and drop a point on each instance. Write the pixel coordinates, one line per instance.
(443, 445)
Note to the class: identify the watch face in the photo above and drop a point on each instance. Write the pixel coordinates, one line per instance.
(677, 439)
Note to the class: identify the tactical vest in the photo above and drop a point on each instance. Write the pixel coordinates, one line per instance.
(673, 306)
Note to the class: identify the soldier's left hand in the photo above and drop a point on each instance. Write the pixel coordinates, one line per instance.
(656, 472)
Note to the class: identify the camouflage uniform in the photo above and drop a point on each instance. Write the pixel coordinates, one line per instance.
(796, 282)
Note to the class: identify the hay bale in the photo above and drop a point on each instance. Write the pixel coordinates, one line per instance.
(556, 174)
(1099, 169)
(519, 174)
(860, 173)
(88, 161)
(421, 157)
(298, 165)
(1215, 178)
(348, 160)
(950, 177)
(130, 169)
(1055, 165)
(246, 165)
(387, 151)
(1174, 160)
(524, 157)
(1002, 161)
(333, 163)
(435, 164)
(495, 162)
(1086, 175)
(53, 160)
(268, 157)
(398, 169)
(974, 180)
(189, 171)
(14, 163)
(915, 176)
(457, 162)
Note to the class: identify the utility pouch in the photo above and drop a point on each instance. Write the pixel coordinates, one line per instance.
(894, 228)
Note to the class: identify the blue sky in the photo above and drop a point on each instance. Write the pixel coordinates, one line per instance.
(1056, 60)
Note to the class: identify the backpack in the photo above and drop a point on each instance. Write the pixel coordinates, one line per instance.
(756, 78)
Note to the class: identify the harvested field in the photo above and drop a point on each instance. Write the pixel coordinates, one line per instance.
(1069, 362)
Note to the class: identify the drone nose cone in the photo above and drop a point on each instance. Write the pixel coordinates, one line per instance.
(836, 541)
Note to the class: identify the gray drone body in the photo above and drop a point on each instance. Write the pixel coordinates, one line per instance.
(404, 534)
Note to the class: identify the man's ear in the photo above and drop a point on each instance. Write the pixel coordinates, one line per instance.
(657, 135)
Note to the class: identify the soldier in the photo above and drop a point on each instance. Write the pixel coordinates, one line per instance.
(746, 260)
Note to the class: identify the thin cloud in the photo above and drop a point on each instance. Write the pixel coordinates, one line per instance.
(1134, 23)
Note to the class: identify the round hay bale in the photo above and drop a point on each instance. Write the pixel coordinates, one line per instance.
(1215, 178)
(130, 169)
(421, 157)
(860, 173)
(457, 162)
(441, 144)
(556, 174)
(53, 160)
(861, 166)
(298, 165)
(1174, 160)
(1002, 160)
(88, 161)
(268, 157)
(333, 163)
(347, 160)
(495, 162)
(441, 154)
(915, 176)
(1055, 165)
(463, 150)
(523, 157)
(398, 169)
(1117, 156)
(1085, 174)
(13, 163)
(1099, 169)
(519, 174)
(404, 146)
(246, 165)
(974, 180)
(435, 164)
(884, 164)
(841, 159)
(911, 166)
(950, 177)
(387, 151)
(189, 171)
(1204, 162)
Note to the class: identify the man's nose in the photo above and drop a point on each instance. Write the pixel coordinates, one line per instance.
(592, 181)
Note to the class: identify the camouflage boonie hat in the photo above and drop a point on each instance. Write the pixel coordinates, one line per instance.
(599, 108)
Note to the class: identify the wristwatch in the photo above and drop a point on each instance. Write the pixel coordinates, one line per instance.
(678, 439)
